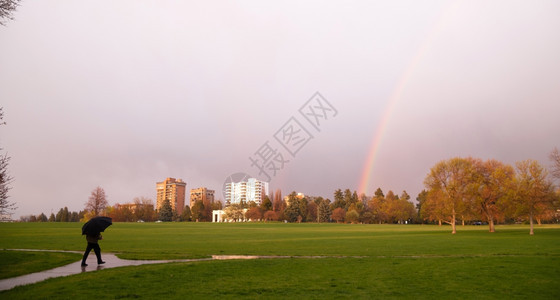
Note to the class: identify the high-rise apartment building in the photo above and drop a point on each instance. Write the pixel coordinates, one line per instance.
(173, 190)
(246, 191)
(201, 194)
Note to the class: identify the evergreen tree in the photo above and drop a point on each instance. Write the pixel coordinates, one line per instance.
(266, 204)
(379, 193)
(324, 211)
(311, 212)
(65, 215)
(421, 199)
(59, 215)
(52, 218)
(186, 215)
(338, 200)
(355, 197)
(405, 196)
(347, 199)
(81, 215)
(197, 211)
(177, 217)
(166, 212)
(42, 218)
(302, 206)
(292, 211)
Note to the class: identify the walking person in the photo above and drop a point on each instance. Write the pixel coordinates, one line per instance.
(93, 243)
(92, 230)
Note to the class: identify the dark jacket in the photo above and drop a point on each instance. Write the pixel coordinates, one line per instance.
(93, 238)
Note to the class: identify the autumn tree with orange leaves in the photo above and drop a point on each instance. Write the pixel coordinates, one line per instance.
(448, 184)
(491, 188)
(338, 214)
(254, 214)
(534, 192)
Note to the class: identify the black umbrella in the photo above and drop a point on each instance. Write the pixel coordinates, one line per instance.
(96, 225)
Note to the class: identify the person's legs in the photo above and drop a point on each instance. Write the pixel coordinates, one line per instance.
(97, 250)
(88, 249)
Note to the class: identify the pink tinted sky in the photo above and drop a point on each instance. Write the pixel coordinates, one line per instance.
(123, 94)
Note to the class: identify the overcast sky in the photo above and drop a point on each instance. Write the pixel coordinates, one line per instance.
(121, 94)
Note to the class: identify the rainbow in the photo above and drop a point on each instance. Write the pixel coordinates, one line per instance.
(396, 95)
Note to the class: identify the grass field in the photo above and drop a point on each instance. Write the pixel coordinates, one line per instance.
(364, 261)
(16, 263)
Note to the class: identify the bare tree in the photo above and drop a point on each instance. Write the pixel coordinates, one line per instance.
(5, 179)
(97, 201)
(555, 157)
(7, 7)
(144, 209)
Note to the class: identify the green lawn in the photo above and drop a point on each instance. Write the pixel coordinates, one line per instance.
(16, 263)
(368, 261)
(382, 278)
(193, 240)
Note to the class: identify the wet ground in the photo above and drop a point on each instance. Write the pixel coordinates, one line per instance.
(111, 261)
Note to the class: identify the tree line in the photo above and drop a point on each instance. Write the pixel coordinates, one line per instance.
(466, 189)
(347, 207)
(97, 205)
(458, 190)
(201, 211)
(63, 215)
(141, 209)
